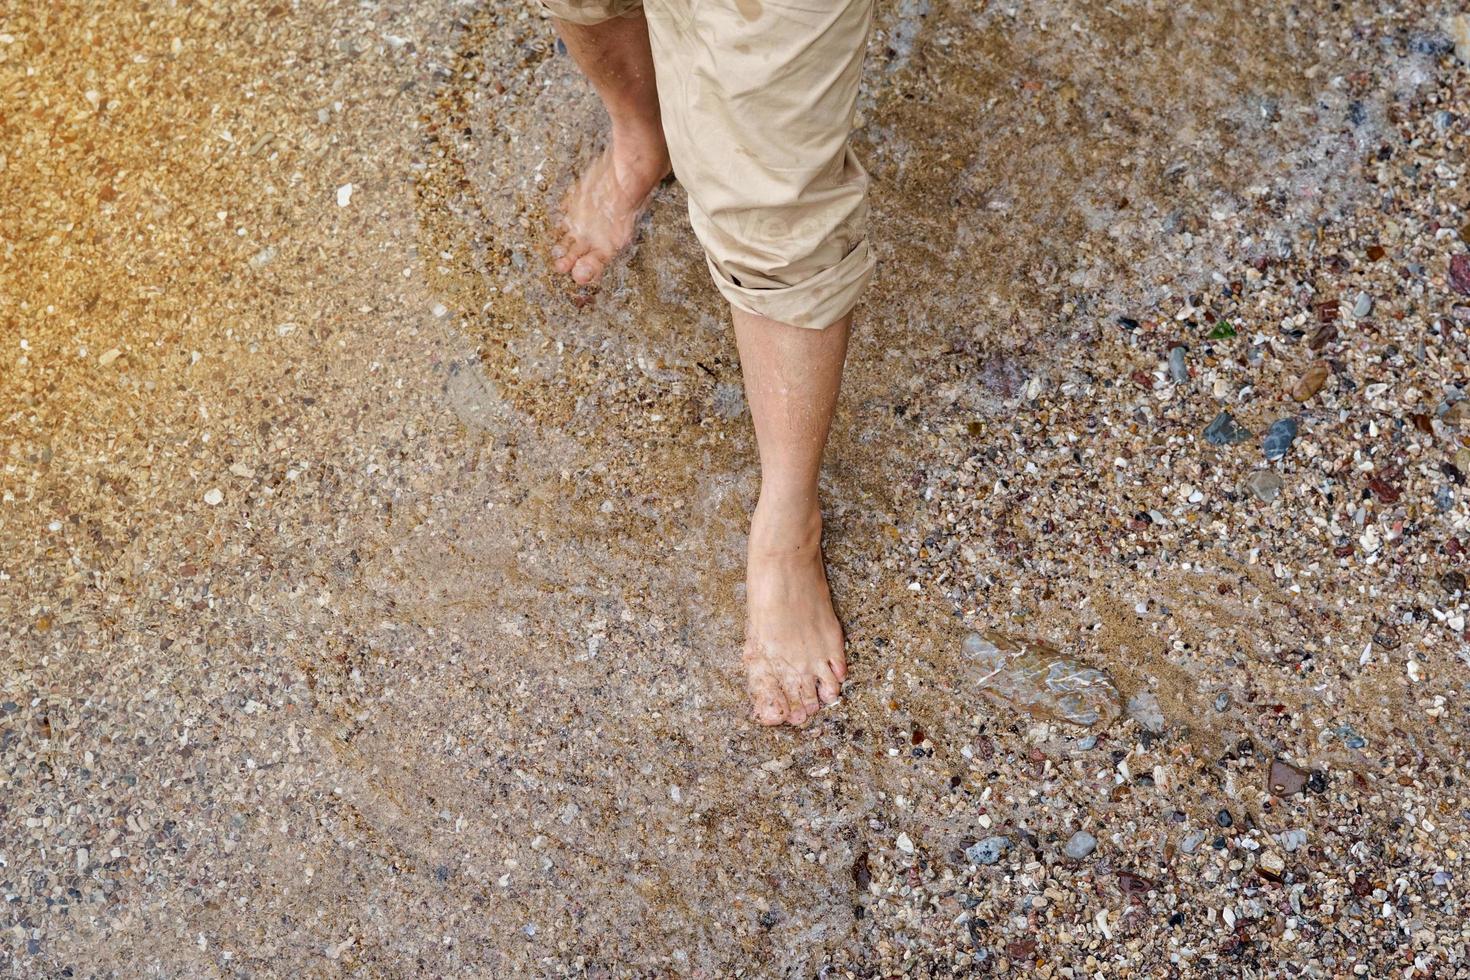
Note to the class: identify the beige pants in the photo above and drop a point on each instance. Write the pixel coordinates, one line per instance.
(757, 99)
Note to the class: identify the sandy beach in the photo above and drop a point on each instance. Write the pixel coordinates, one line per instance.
(371, 599)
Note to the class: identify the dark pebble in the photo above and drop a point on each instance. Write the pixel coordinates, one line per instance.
(1435, 45)
(1452, 582)
(988, 851)
(1225, 431)
(1460, 274)
(1224, 819)
(861, 874)
(1286, 779)
(1279, 438)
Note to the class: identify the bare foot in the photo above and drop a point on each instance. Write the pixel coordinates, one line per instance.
(793, 657)
(599, 212)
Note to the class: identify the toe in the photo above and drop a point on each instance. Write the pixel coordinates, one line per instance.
(566, 254)
(770, 710)
(838, 664)
(829, 688)
(589, 267)
(801, 698)
(768, 705)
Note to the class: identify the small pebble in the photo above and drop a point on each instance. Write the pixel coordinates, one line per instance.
(1279, 438)
(1460, 274)
(1311, 382)
(1264, 484)
(1178, 370)
(1081, 845)
(1144, 708)
(1458, 27)
(988, 851)
(1225, 431)
(214, 497)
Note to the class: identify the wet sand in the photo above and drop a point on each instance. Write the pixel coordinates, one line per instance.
(372, 599)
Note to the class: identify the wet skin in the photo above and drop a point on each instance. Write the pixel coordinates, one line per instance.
(793, 651)
(602, 208)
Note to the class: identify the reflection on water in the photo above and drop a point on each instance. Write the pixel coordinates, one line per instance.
(1037, 679)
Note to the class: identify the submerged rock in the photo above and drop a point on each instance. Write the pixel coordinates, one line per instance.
(1081, 845)
(1279, 438)
(1178, 370)
(1144, 708)
(1265, 484)
(1311, 382)
(1225, 431)
(988, 851)
(1038, 679)
(1286, 779)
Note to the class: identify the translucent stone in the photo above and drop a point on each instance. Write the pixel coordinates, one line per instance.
(1036, 678)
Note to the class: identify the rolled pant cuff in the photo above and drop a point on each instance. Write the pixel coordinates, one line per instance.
(589, 12)
(813, 303)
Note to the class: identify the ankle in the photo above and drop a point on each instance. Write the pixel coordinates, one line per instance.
(786, 528)
(640, 141)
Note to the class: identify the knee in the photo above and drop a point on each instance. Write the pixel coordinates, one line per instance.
(798, 254)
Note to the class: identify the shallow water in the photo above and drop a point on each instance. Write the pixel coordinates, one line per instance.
(378, 597)
(1037, 679)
